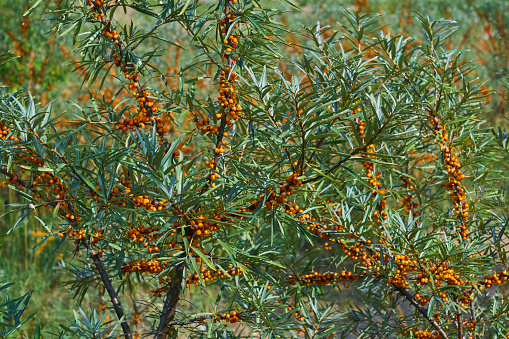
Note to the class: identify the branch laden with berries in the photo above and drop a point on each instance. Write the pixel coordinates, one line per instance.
(365, 162)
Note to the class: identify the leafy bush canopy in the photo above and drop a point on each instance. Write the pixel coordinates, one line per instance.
(268, 185)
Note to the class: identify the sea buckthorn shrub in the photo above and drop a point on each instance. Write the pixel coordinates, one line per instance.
(365, 164)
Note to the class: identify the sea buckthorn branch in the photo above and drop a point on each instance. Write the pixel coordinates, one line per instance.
(357, 150)
(15, 178)
(95, 255)
(399, 282)
(228, 98)
(192, 229)
(453, 169)
(452, 166)
(169, 306)
(459, 318)
(146, 103)
(173, 293)
(422, 311)
(231, 317)
(117, 305)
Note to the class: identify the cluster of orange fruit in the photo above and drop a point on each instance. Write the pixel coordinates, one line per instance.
(96, 11)
(495, 279)
(145, 235)
(298, 317)
(136, 318)
(403, 265)
(82, 234)
(355, 252)
(324, 279)
(359, 124)
(136, 321)
(205, 127)
(143, 266)
(411, 205)
(4, 132)
(422, 299)
(231, 317)
(421, 334)
(203, 226)
(119, 195)
(193, 279)
(470, 324)
(144, 116)
(210, 275)
(452, 166)
(147, 105)
(369, 168)
(275, 199)
(110, 34)
(405, 181)
(326, 230)
(227, 97)
(408, 203)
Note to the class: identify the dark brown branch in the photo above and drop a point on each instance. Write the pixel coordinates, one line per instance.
(21, 182)
(422, 311)
(459, 319)
(117, 306)
(169, 307)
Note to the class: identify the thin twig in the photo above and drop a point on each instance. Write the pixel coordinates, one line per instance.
(147, 35)
(17, 330)
(354, 152)
(422, 311)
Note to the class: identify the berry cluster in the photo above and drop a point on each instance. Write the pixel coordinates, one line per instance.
(403, 265)
(324, 279)
(495, 279)
(209, 275)
(121, 195)
(275, 199)
(205, 127)
(298, 317)
(422, 299)
(147, 106)
(421, 334)
(369, 169)
(203, 226)
(142, 266)
(96, 11)
(452, 166)
(411, 205)
(231, 317)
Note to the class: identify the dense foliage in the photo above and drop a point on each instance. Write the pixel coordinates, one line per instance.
(264, 176)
